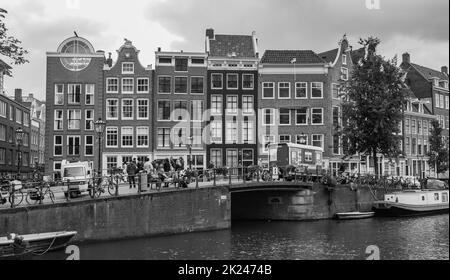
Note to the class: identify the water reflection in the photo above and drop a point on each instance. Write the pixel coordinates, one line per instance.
(410, 238)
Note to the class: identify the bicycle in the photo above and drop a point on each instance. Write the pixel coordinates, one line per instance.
(38, 194)
(14, 191)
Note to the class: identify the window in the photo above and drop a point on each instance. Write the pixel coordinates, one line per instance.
(232, 81)
(425, 128)
(196, 110)
(181, 85)
(344, 59)
(197, 86)
(112, 85)
(142, 107)
(181, 64)
(437, 100)
(232, 158)
(317, 116)
(301, 90)
(11, 113)
(142, 137)
(74, 94)
(408, 146)
(163, 138)
(165, 60)
(248, 131)
(73, 148)
(344, 74)
(2, 156)
(19, 115)
(3, 109)
(316, 90)
(419, 127)
(89, 145)
(308, 156)
(128, 85)
(180, 111)
(414, 146)
(59, 94)
(413, 127)
(335, 91)
(59, 120)
(419, 147)
(164, 110)
(143, 85)
(285, 138)
(268, 90)
(446, 102)
(407, 130)
(89, 120)
(232, 105)
(216, 158)
(301, 116)
(216, 131)
(267, 139)
(317, 140)
(216, 81)
(58, 146)
(247, 104)
(90, 94)
(127, 109)
(127, 68)
(216, 104)
(268, 118)
(179, 137)
(284, 90)
(164, 85)
(232, 132)
(442, 101)
(127, 137)
(74, 119)
(285, 116)
(248, 81)
(198, 61)
(112, 137)
(112, 109)
(301, 139)
(2, 132)
(111, 162)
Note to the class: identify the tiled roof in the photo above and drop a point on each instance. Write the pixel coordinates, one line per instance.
(358, 54)
(329, 56)
(239, 46)
(429, 73)
(286, 56)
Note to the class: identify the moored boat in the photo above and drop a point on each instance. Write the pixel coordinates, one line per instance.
(413, 203)
(17, 246)
(354, 215)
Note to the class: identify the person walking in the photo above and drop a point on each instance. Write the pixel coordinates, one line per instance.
(131, 171)
(148, 168)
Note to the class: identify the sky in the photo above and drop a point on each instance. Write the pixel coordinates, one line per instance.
(420, 27)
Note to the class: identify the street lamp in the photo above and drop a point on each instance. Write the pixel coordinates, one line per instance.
(99, 126)
(19, 137)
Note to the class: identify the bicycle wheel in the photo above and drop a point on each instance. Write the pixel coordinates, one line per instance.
(111, 189)
(51, 195)
(18, 198)
(28, 198)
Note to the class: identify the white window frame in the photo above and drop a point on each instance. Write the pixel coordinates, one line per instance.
(91, 145)
(122, 134)
(213, 109)
(68, 93)
(190, 85)
(265, 86)
(272, 113)
(170, 109)
(58, 119)
(285, 135)
(89, 93)
(109, 129)
(123, 111)
(59, 94)
(244, 111)
(68, 147)
(322, 140)
(124, 64)
(279, 90)
(175, 82)
(344, 74)
(141, 134)
(298, 136)
(237, 81)
(157, 137)
(253, 78)
(298, 86)
(344, 59)
(307, 117)
(147, 85)
(212, 80)
(216, 125)
(123, 86)
(251, 131)
(312, 118)
(232, 111)
(171, 89)
(138, 106)
(89, 119)
(117, 107)
(108, 80)
(231, 131)
(279, 117)
(68, 119)
(58, 145)
(332, 91)
(315, 87)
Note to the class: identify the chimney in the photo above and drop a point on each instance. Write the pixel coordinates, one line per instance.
(18, 95)
(444, 69)
(210, 33)
(31, 96)
(159, 49)
(109, 61)
(406, 58)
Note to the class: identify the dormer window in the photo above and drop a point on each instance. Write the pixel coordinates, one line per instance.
(344, 59)
(436, 82)
(128, 68)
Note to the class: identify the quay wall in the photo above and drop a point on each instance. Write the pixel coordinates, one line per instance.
(131, 216)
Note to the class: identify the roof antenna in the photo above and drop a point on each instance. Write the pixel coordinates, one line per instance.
(76, 35)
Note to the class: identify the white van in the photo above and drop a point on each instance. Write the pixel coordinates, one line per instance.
(79, 176)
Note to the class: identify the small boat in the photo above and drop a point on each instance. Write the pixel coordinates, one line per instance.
(22, 246)
(412, 203)
(354, 215)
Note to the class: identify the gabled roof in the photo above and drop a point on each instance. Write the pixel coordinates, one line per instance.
(429, 73)
(235, 46)
(286, 56)
(329, 56)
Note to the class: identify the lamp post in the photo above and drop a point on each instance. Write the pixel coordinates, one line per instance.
(99, 126)
(19, 138)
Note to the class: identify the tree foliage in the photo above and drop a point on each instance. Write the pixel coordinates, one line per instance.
(438, 153)
(9, 45)
(372, 109)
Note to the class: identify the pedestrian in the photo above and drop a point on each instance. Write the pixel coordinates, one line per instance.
(131, 171)
(148, 168)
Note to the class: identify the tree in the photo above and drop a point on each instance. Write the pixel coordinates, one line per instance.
(10, 46)
(438, 154)
(372, 107)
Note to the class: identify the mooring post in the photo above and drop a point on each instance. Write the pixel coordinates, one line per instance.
(214, 171)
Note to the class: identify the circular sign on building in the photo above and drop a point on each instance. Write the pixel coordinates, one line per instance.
(75, 51)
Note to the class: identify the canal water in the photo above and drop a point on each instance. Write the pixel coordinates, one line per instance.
(397, 239)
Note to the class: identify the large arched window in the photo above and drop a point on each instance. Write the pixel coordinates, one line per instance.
(74, 51)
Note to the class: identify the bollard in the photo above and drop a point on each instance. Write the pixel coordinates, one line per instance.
(196, 179)
(215, 184)
(139, 182)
